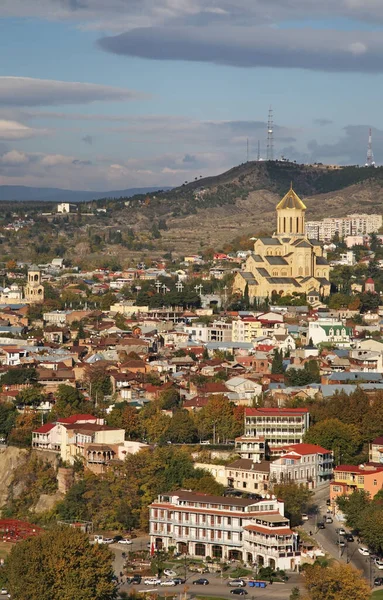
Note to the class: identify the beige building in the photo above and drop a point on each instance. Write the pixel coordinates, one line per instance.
(352, 225)
(34, 290)
(288, 261)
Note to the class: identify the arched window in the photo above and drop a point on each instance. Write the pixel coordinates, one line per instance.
(291, 224)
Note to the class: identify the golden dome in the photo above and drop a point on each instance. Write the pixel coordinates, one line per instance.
(291, 200)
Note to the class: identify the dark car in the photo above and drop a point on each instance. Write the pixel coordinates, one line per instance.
(321, 525)
(378, 581)
(135, 580)
(201, 581)
(328, 502)
(238, 592)
(340, 543)
(349, 537)
(179, 580)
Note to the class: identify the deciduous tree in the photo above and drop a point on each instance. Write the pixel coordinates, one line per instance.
(335, 582)
(61, 564)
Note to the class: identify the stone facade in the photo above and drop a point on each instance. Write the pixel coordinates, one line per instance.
(288, 262)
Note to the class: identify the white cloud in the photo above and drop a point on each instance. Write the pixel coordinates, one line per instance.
(25, 91)
(14, 158)
(12, 130)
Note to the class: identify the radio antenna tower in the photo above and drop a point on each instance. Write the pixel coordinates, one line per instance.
(270, 140)
(370, 155)
(259, 152)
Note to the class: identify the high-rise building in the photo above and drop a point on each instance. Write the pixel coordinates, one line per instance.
(356, 224)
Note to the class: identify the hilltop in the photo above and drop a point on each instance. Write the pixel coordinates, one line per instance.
(206, 213)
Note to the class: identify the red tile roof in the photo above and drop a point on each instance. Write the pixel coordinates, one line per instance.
(264, 412)
(44, 428)
(304, 449)
(76, 418)
(367, 470)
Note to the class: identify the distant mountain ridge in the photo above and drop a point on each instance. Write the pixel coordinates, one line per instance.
(20, 193)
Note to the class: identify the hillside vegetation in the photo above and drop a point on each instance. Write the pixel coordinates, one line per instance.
(201, 214)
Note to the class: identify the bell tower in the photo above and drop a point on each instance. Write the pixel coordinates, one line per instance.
(34, 290)
(291, 215)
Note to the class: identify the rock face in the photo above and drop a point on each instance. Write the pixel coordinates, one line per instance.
(10, 459)
(47, 502)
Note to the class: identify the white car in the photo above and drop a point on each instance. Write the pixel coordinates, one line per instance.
(170, 573)
(342, 531)
(125, 541)
(379, 564)
(364, 551)
(152, 581)
(108, 540)
(168, 582)
(304, 517)
(4, 592)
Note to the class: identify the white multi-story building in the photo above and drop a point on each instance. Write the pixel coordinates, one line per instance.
(224, 527)
(218, 331)
(344, 226)
(305, 464)
(329, 331)
(276, 426)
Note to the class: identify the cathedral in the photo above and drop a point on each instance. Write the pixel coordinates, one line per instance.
(288, 261)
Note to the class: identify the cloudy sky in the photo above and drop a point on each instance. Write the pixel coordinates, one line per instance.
(111, 94)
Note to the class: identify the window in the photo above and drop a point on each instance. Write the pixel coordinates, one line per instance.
(375, 482)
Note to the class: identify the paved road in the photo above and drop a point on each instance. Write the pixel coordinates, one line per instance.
(327, 539)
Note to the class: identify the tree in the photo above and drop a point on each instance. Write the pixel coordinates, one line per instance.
(205, 354)
(335, 582)
(169, 399)
(125, 417)
(353, 506)
(19, 375)
(26, 422)
(30, 396)
(182, 429)
(216, 419)
(296, 498)
(277, 364)
(371, 526)
(61, 564)
(343, 438)
(8, 414)
(295, 594)
(69, 401)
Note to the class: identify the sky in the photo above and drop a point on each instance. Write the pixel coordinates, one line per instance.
(112, 94)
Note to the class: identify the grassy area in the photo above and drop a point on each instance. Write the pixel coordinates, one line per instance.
(377, 595)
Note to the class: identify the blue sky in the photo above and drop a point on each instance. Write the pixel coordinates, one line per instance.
(110, 95)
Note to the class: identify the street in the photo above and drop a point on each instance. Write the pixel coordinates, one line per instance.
(217, 586)
(328, 537)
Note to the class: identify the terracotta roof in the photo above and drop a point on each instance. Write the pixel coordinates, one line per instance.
(265, 412)
(271, 530)
(367, 470)
(44, 428)
(76, 418)
(304, 449)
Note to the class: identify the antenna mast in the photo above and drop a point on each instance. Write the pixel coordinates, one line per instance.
(370, 155)
(270, 140)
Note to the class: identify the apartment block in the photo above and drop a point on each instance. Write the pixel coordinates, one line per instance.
(352, 225)
(223, 527)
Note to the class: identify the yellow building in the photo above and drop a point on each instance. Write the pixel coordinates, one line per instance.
(34, 290)
(287, 262)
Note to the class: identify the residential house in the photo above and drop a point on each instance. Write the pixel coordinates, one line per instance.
(376, 451)
(305, 464)
(278, 426)
(348, 478)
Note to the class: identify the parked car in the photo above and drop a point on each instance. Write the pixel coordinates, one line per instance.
(349, 537)
(378, 581)
(136, 579)
(341, 531)
(305, 517)
(179, 580)
(237, 583)
(321, 525)
(170, 573)
(341, 543)
(239, 592)
(379, 563)
(125, 541)
(152, 581)
(328, 519)
(168, 582)
(4, 592)
(201, 581)
(364, 551)
(328, 502)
